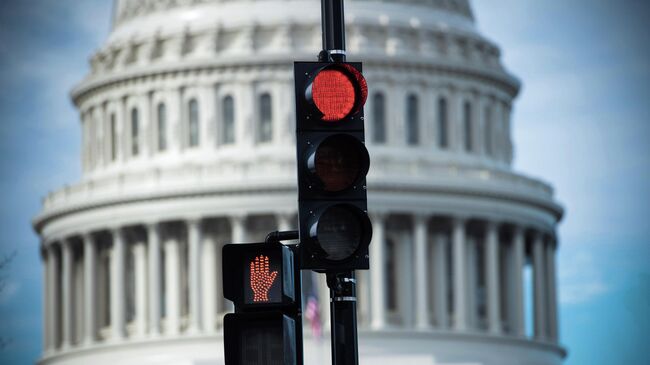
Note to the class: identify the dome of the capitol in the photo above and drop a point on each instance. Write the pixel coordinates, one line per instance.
(188, 123)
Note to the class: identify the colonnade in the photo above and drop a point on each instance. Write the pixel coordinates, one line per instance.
(460, 274)
(163, 278)
(146, 280)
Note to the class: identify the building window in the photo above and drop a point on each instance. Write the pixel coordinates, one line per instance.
(467, 120)
(412, 120)
(162, 127)
(265, 127)
(135, 132)
(113, 137)
(228, 125)
(193, 123)
(379, 118)
(488, 131)
(443, 124)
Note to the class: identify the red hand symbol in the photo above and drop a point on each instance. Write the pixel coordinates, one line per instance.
(261, 278)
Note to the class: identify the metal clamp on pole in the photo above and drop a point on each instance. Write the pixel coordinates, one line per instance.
(343, 306)
(333, 23)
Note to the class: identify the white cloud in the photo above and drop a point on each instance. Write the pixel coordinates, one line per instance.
(580, 279)
(9, 291)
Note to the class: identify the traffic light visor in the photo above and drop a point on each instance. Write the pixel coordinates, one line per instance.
(338, 91)
(339, 162)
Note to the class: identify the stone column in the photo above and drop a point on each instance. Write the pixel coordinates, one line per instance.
(539, 295)
(454, 121)
(363, 297)
(244, 115)
(378, 273)
(518, 321)
(155, 278)
(146, 120)
(238, 231)
(68, 292)
(90, 265)
(460, 279)
(211, 276)
(173, 286)
(421, 273)
(441, 280)
(492, 278)
(552, 291)
(194, 273)
(207, 101)
(118, 267)
(285, 222)
(140, 271)
(122, 135)
(174, 128)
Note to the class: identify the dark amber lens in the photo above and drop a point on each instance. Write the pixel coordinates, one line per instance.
(338, 163)
(339, 232)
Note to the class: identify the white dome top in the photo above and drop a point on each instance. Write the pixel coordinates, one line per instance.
(136, 19)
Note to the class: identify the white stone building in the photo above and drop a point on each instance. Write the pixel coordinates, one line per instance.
(188, 144)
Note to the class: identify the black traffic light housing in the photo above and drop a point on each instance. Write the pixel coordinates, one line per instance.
(250, 267)
(259, 338)
(332, 165)
(263, 282)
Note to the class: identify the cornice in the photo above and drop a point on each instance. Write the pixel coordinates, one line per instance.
(266, 190)
(501, 79)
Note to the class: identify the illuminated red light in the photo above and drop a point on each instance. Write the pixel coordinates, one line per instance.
(261, 279)
(334, 94)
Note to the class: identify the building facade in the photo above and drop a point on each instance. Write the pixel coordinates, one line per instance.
(188, 143)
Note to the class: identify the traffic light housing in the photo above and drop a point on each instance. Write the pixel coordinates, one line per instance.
(334, 227)
(263, 282)
(260, 338)
(260, 275)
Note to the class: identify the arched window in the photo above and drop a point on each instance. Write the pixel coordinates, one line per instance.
(467, 121)
(265, 126)
(162, 127)
(135, 132)
(193, 123)
(228, 125)
(379, 118)
(488, 131)
(412, 120)
(113, 137)
(443, 124)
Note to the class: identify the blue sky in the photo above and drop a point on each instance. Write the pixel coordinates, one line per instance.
(582, 122)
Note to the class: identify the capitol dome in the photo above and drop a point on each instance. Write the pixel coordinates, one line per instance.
(188, 143)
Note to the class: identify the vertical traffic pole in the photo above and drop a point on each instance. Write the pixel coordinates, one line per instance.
(343, 308)
(333, 23)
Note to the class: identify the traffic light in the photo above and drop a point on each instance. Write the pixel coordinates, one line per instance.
(332, 165)
(261, 280)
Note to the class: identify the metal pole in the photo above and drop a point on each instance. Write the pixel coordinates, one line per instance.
(333, 23)
(343, 307)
